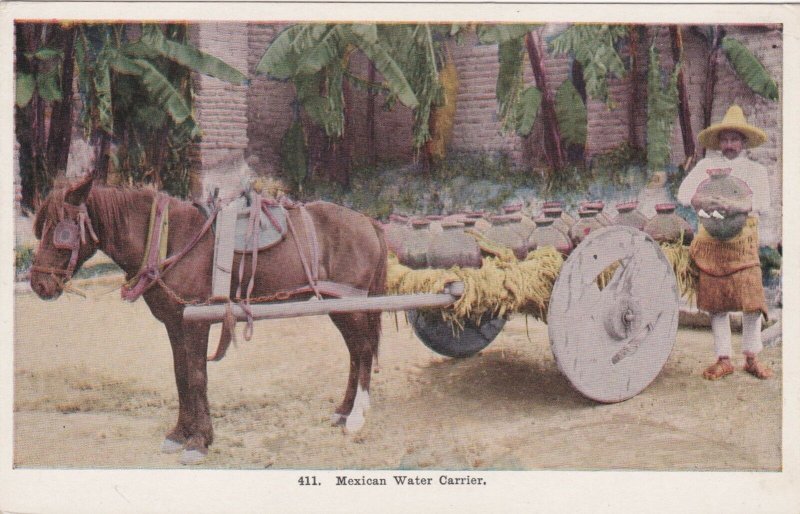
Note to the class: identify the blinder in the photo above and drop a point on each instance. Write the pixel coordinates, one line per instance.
(67, 235)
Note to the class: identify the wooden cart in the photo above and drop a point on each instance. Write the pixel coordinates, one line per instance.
(610, 342)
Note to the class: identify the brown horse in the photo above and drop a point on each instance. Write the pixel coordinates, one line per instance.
(73, 224)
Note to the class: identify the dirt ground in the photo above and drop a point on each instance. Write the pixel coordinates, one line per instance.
(94, 389)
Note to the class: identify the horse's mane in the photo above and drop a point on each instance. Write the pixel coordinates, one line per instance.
(109, 204)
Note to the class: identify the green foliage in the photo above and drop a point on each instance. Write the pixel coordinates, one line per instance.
(25, 87)
(662, 108)
(136, 90)
(518, 106)
(419, 56)
(594, 47)
(500, 33)
(527, 109)
(571, 114)
(23, 258)
(294, 154)
(45, 81)
(315, 58)
(750, 69)
(154, 44)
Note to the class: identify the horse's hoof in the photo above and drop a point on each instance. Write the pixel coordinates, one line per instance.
(170, 446)
(338, 419)
(354, 422)
(192, 457)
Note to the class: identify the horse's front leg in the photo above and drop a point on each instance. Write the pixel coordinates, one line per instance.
(176, 438)
(200, 433)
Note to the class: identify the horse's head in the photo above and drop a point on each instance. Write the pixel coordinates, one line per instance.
(61, 226)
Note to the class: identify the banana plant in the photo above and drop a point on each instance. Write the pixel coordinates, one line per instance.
(135, 89)
(594, 47)
(519, 105)
(745, 64)
(315, 58)
(662, 109)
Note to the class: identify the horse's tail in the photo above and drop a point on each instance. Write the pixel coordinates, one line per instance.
(378, 286)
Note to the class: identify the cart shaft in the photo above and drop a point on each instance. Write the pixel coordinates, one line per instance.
(215, 313)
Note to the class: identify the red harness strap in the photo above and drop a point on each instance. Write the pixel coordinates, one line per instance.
(152, 270)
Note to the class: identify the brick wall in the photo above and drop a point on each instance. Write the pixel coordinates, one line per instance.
(220, 107)
(238, 121)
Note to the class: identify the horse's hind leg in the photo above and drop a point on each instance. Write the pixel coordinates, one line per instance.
(361, 332)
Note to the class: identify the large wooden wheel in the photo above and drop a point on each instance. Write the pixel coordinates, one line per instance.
(611, 342)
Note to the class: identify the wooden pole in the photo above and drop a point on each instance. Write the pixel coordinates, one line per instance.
(214, 313)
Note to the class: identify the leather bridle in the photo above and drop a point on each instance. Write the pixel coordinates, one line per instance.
(69, 234)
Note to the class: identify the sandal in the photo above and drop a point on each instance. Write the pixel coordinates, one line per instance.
(757, 369)
(719, 369)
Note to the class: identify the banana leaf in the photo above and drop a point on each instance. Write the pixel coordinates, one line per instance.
(327, 49)
(44, 54)
(502, 33)
(527, 109)
(662, 109)
(25, 87)
(509, 80)
(366, 39)
(593, 46)
(47, 84)
(294, 153)
(279, 61)
(571, 114)
(190, 57)
(103, 95)
(750, 69)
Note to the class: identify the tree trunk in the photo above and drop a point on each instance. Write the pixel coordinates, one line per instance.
(711, 77)
(576, 153)
(552, 134)
(683, 97)
(26, 35)
(633, 105)
(101, 158)
(60, 136)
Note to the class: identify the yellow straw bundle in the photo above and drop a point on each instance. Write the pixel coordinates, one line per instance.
(503, 285)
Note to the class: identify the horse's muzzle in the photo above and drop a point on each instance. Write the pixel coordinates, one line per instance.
(45, 286)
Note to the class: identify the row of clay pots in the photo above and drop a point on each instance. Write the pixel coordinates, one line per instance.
(440, 242)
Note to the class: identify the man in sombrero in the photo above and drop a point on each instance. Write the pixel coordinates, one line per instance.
(729, 272)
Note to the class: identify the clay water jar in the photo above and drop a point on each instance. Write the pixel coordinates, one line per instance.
(729, 196)
(557, 215)
(569, 220)
(598, 206)
(546, 234)
(667, 226)
(525, 225)
(415, 253)
(587, 223)
(453, 247)
(396, 232)
(505, 232)
(629, 216)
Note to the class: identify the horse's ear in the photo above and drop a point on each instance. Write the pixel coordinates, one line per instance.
(79, 192)
(38, 222)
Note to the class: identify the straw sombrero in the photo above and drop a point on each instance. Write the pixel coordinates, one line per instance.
(734, 120)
